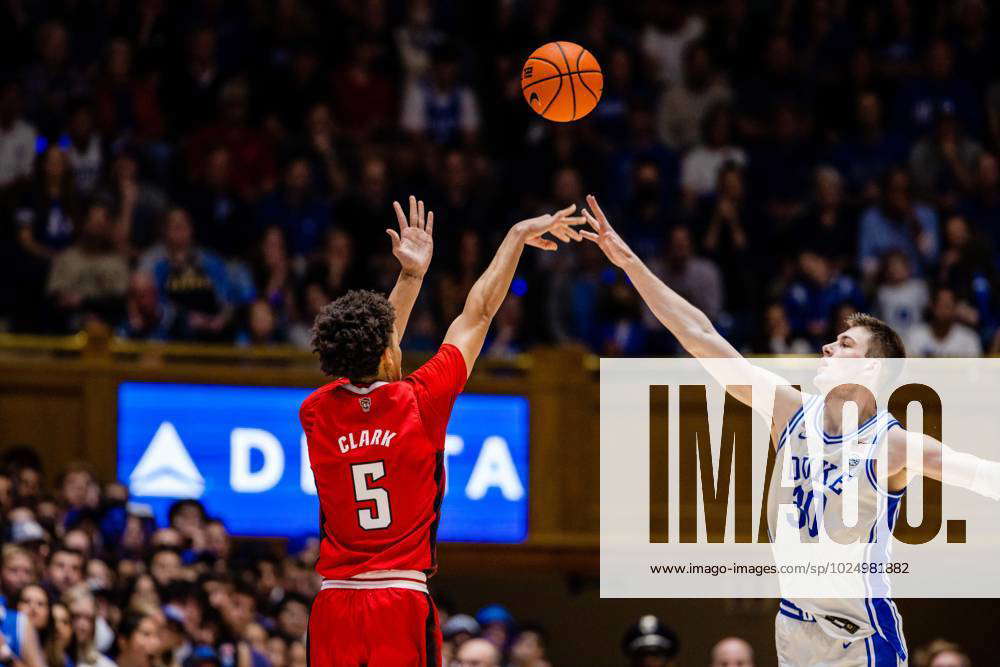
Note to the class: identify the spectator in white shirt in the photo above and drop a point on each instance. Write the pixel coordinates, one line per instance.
(683, 107)
(17, 139)
(416, 38)
(943, 336)
(700, 167)
(441, 108)
(669, 32)
(901, 298)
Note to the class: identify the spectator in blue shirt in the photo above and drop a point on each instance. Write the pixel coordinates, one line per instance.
(871, 150)
(620, 330)
(812, 298)
(897, 223)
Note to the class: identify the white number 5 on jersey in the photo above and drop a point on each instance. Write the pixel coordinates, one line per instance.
(382, 516)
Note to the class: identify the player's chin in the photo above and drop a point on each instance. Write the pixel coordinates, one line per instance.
(823, 381)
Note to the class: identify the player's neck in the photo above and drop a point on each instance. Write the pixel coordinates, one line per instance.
(833, 412)
(381, 376)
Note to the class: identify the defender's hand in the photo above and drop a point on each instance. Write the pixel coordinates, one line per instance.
(413, 245)
(604, 236)
(559, 224)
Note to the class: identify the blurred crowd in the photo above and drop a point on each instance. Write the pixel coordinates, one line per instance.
(89, 579)
(218, 170)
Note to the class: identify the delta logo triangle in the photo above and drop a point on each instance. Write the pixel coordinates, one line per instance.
(166, 468)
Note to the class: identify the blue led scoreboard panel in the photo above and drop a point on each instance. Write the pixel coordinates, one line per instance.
(241, 452)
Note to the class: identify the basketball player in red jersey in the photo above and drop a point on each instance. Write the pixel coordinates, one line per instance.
(376, 446)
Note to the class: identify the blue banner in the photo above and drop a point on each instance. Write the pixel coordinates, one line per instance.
(241, 452)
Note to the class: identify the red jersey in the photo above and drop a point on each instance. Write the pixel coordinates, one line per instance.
(377, 454)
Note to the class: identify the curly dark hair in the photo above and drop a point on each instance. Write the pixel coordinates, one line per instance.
(351, 333)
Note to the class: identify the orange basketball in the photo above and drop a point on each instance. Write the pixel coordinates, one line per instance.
(562, 81)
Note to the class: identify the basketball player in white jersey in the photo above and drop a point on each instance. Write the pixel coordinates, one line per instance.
(863, 630)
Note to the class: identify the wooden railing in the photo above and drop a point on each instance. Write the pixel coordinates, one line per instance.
(98, 344)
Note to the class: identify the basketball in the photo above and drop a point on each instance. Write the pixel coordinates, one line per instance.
(562, 81)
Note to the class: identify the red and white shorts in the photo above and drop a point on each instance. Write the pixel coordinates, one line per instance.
(375, 619)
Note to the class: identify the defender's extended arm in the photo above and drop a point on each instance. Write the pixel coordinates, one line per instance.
(688, 324)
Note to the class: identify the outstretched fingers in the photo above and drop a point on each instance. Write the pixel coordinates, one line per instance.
(430, 223)
(394, 237)
(420, 214)
(572, 222)
(560, 233)
(596, 208)
(590, 236)
(413, 211)
(593, 222)
(541, 243)
(400, 216)
(560, 215)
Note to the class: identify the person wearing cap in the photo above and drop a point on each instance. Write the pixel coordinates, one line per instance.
(27, 532)
(650, 643)
(496, 623)
(460, 628)
(457, 630)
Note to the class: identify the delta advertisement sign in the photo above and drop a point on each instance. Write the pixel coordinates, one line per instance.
(241, 452)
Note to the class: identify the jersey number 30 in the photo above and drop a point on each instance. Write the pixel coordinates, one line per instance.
(382, 516)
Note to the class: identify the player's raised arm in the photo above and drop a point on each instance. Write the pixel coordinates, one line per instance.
(690, 326)
(468, 331)
(687, 323)
(413, 246)
(942, 463)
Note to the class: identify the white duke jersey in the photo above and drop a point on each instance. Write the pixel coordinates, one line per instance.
(848, 473)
